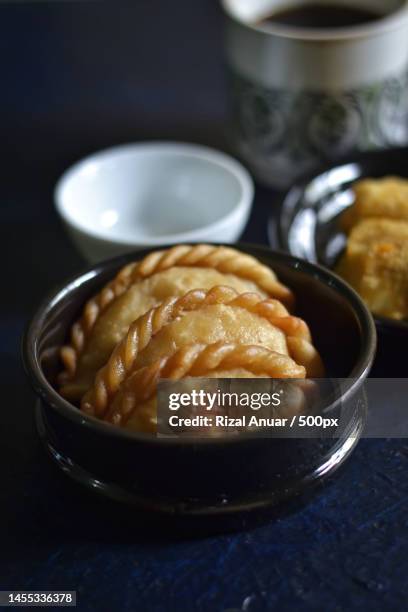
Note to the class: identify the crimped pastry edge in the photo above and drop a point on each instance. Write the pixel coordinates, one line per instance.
(224, 259)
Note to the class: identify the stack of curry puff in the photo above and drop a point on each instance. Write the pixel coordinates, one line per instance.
(375, 261)
(189, 311)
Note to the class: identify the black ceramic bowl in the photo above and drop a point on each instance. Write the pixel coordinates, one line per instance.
(309, 228)
(206, 476)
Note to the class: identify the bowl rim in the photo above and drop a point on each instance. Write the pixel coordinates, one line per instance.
(226, 162)
(51, 397)
(294, 194)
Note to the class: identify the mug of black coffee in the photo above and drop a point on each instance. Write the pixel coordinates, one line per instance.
(314, 80)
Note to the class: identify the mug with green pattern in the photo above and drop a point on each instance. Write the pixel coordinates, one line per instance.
(300, 97)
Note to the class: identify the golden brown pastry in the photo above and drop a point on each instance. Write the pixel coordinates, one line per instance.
(202, 317)
(386, 197)
(134, 406)
(375, 263)
(189, 311)
(142, 285)
(113, 322)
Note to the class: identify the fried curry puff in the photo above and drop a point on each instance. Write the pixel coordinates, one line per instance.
(375, 261)
(198, 310)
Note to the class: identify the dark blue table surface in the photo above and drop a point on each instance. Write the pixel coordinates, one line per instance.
(77, 77)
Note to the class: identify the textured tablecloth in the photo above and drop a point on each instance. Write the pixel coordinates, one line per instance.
(77, 77)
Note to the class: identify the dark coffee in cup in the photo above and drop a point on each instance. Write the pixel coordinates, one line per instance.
(319, 15)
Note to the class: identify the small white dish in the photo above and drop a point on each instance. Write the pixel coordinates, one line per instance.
(152, 193)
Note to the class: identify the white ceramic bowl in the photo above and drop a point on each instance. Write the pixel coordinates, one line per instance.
(153, 193)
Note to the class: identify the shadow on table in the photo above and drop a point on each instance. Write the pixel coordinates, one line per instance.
(65, 510)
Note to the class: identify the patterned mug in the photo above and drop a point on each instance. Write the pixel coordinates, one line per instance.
(303, 96)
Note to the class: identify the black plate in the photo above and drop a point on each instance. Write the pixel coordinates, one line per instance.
(309, 224)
